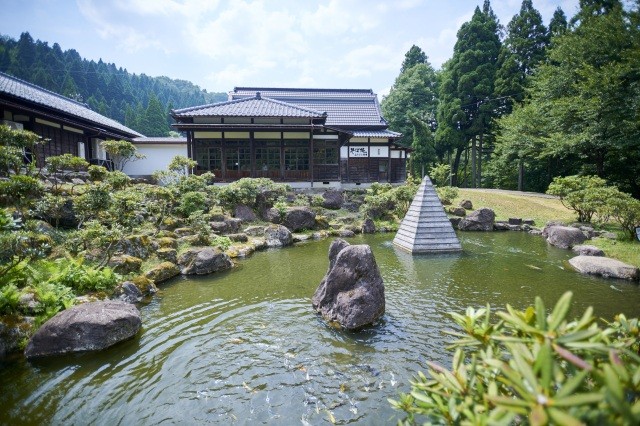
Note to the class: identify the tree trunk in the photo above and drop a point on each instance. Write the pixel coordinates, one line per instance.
(473, 162)
(520, 175)
(479, 179)
(455, 166)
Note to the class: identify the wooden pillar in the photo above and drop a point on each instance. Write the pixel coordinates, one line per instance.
(223, 166)
(369, 159)
(348, 156)
(190, 153)
(281, 156)
(389, 162)
(252, 154)
(311, 158)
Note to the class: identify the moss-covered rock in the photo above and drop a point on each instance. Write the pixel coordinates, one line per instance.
(15, 331)
(167, 254)
(145, 285)
(163, 272)
(125, 264)
(136, 245)
(167, 242)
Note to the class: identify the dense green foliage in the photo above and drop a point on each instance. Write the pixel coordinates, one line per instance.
(532, 367)
(581, 115)
(140, 102)
(590, 196)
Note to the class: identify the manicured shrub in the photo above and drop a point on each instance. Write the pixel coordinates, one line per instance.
(447, 194)
(191, 202)
(246, 190)
(532, 367)
(578, 193)
(118, 180)
(440, 174)
(20, 191)
(97, 173)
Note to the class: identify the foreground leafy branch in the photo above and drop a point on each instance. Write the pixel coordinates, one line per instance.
(534, 368)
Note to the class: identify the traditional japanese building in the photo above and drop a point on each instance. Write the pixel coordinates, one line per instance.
(68, 126)
(308, 136)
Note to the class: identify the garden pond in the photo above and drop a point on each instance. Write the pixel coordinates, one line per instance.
(245, 346)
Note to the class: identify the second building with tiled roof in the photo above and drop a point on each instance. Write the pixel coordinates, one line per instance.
(312, 137)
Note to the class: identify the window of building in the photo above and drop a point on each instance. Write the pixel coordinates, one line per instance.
(325, 153)
(237, 156)
(267, 155)
(296, 158)
(209, 158)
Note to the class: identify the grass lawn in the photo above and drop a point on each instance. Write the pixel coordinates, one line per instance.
(542, 209)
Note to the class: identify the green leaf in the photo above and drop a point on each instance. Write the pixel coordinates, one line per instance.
(541, 314)
(561, 418)
(578, 399)
(578, 335)
(538, 416)
(573, 383)
(560, 310)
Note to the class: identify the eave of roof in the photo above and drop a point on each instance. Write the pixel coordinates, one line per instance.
(159, 141)
(256, 106)
(23, 91)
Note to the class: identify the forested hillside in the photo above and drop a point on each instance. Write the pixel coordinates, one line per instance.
(136, 100)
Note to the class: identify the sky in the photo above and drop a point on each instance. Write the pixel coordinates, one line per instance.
(219, 44)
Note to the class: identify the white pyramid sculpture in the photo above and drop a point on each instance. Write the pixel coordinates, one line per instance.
(426, 227)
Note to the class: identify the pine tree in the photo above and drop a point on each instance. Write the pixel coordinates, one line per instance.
(413, 57)
(423, 146)
(558, 24)
(523, 49)
(413, 93)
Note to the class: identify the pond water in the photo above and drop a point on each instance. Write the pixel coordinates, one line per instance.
(245, 346)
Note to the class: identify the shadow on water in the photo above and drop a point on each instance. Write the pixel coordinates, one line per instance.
(246, 347)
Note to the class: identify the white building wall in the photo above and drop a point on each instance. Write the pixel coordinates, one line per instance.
(158, 157)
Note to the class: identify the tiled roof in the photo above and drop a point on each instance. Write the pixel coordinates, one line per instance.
(159, 140)
(254, 106)
(375, 134)
(29, 92)
(344, 107)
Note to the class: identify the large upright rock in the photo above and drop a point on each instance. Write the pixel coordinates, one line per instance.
(87, 327)
(604, 267)
(426, 228)
(478, 220)
(563, 236)
(351, 294)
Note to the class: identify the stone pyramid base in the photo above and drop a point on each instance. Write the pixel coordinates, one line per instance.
(426, 227)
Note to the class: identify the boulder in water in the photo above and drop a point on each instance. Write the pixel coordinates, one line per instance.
(351, 294)
(604, 267)
(563, 236)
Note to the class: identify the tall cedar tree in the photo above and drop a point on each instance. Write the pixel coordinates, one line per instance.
(413, 57)
(424, 153)
(414, 93)
(522, 50)
(466, 108)
(558, 24)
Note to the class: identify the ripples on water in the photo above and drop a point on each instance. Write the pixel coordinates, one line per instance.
(245, 346)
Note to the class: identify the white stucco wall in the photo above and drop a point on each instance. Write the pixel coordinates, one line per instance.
(158, 157)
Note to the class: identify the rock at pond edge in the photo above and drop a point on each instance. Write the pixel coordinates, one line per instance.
(87, 327)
